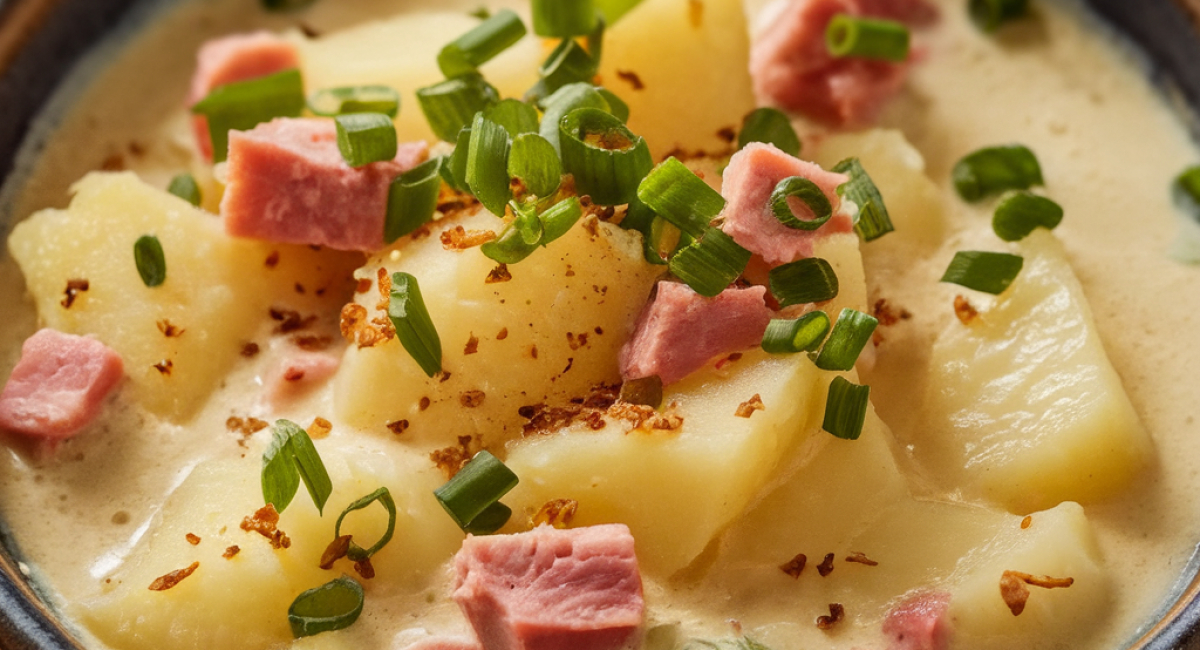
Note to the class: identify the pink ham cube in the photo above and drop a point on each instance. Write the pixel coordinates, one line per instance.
(919, 623)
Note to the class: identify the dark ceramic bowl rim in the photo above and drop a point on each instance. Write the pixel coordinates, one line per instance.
(42, 40)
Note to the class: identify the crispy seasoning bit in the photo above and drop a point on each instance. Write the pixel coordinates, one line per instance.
(272, 260)
(319, 428)
(164, 367)
(364, 285)
(364, 568)
(472, 398)
(748, 407)
(163, 583)
(696, 13)
(577, 341)
(263, 522)
(192, 539)
(630, 77)
(451, 459)
(533, 351)
(728, 134)
(290, 320)
(503, 334)
(460, 239)
(312, 342)
(231, 551)
(423, 404)
(861, 558)
(398, 427)
(964, 311)
(75, 286)
(826, 566)
(168, 330)
(299, 288)
(250, 349)
(335, 551)
(598, 330)
(245, 426)
(795, 566)
(1026, 522)
(443, 376)
(472, 345)
(114, 163)
(498, 274)
(836, 614)
(646, 391)
(358, 330)
(570, 272)
(558, 513)
(1015, 593)
(886, 315)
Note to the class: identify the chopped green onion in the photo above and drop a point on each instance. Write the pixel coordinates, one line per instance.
(612, 10)
(811, 279)
(414, 328)
(846, 408)
(595, 41)
(807, 193)
(563, 18)
(616, 105)
(384, 497)
(454, 171)
(989, 15)
(804, 334)
(475, 488)
(992, 170)
(534, 161)
(334, 605)
(850, 335)
(866, 38)
(487, 164)
(512, 244)
(678, 195)
(285, 5)
(559, 218)
(771, 126)
(364, 138)
(450, 106)
(565, 100)
(412, 199)
(331, 102)
(290, 458)
(481, 12)
(568, 63)
(1186, 192)
(607, 159)
(466, 53)
(1018, 213)
(150, 261)
(490, 520)
(528, 226)
(873, 220)
(983, 271)
(659, 236)
(242, 105)
(711, 264)
(515, 116)
(184, 186)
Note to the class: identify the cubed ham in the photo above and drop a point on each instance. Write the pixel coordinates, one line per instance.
(791, 67)
(59, 385)
(679, 330)
(287, 183)
(919, 623)
(298, 373)
(750, 178)
(552, 589)
(239, 57)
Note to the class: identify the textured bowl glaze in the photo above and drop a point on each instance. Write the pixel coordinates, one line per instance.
(40, 40)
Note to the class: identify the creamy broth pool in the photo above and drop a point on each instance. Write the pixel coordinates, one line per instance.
(1109, 145)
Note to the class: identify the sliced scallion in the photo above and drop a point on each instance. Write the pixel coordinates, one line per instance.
(710, 264)
(534, 161)
(989, 15)
(289, 459)
(992, 170)
(873, 220)
(1018, 213)
(983, 270)
(804, 334)
(331, 102)
(559, 218)
(364, 138)
(150, 260)
(1186, 192)
(772, 126)
(495, 34)
(490, 520)
(334, 605)
(384, 497)
(487, 164)
(414, 328)
(616, 105)
(563, 18)
(511, 245)
(515, 116)
(454, 172)
(659, 236)
(475, 488)
(866, 38)
(850, 335)
(412, 199)
(607, 159)
(808, 193)
(568, 63)
(185, 187)
(565, 100)
(846, 408)
(450, 106)
(678, 195)
(242, 105)
(806, 280)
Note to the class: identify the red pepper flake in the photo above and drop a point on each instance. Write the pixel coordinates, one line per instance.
(398, 427)
(630, 77)
(164, 367)
(293, 374)
(472, 345)
(192, 539)
(75, 286)
(245, 426)
(1026, 522)
(272, 260)
(165, 582)
(886, 315)
(472, 398)
(498, 274)
(363, 286)
(423, 404)
(263, 522)
(460, 239)
(533, 351)
(250, 349)
(231, 551)
(599, 331)
(861, 558)
(748, 407)
(336, 550)
(444, 376)
(826, 566)
(319, 428)
(964, 311)
(836, 614)
(558, 513)
(168, 330)
(503, 334)
(795, 566)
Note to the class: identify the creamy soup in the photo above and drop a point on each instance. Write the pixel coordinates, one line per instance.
(99, 516)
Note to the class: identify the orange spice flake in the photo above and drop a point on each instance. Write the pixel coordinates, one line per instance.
(498, 274)
(192, 539)
(1015, 593)
(364, 568)
(630, 77)
(169, 330)
(165, 582)
(795, 566)
(558, 513)
(748, 407)
(75, 286)
(964, 311)
(1026, 522)
(319, 428)
(460, 239)
(836, 614)
(826, 566)
(336, 550)
(164, 367)
(886, 315)
(576, 341)
(263, 522)
(861, 558)
(357, 329)
(503, 334)
(398, 427)
(472, 398)
(472, 345)
(231, 551)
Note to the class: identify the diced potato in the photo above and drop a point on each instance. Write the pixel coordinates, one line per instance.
(242, 602)
(694, 41)
(217, 293)
(1023, 406)
(549, 334)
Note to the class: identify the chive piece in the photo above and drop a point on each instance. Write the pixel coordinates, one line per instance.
(558, 219)
(866, 38)
(1018, 213)
(568, 63)
(487, 164)
(711, 264)
(334, 605)
(846, 409)
(331, 102)
(612, 10)
(450, 106)
(530, 228)
(607, 159)
(515, 116)
(412, 199)
(364, 138)
(989, 15)
(983, 271)
(647, 391)
(595, 40)
(850, 335)
(563, 18)
(290, 458)
(466, 53)
(475, 488)
(454, 172)
(481, 12)
(809, 194)
(534, 161)
(806, 280)
(242, 105)
(512, 245)
(565, 100)
(992, 170)
(659, 236)
(616, 105)
(804, 334)
(771, 126)
(678, 195)
(185, 187)
(1186, 192)
(490, 520)
(384, 497)
(414, 328)
(285, 5)
(873, 220)
(150, 261)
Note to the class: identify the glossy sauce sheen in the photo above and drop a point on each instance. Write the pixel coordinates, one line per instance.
(1108, 145)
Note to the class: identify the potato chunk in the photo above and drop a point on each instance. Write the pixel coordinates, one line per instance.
(1023, 406)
